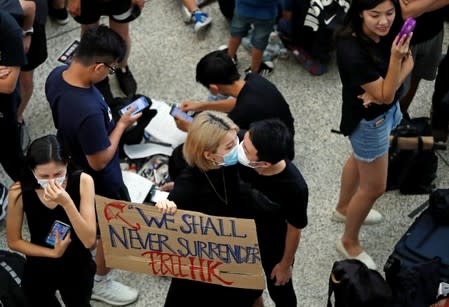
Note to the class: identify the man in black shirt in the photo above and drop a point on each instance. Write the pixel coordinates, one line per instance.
(12, 56)
(264, 149)
(253, 99)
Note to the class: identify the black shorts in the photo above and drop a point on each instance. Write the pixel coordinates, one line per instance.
(118, 10)
(37, 54)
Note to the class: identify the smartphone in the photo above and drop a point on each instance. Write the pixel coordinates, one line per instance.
(139, 104)
(157, 195)
(61, 228)
(176, 112)
(408, 27)
(67, 56)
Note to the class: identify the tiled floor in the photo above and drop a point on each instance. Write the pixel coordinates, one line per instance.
(163, 59)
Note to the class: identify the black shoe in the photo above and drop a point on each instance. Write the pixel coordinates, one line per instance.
(25, 139)
(3, 201)
(265, 69)
(126, 81)
(61, 16)
(105, 90)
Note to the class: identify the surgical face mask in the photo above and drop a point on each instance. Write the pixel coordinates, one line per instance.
(44, 182)
(243, 159)
(231, 157)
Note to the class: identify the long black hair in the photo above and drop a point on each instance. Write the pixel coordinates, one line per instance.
(43, 150)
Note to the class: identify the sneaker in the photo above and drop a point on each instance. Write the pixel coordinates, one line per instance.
(265, 69)
(186, 15)
(373, 217)
(363, 256)
(113, 292)
(126, 81)
(25, 139)
(3, 201)
(201, 20)
(61, 16)
(105, 90)
(224, 48)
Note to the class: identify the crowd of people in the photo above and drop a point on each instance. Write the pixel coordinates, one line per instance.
(236, 160)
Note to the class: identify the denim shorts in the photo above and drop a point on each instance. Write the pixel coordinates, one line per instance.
(370, 140)
(240, 26)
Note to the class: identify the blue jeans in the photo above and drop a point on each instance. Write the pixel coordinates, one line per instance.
(240, 26)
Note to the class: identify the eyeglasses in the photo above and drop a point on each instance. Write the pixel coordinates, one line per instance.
(112, 68)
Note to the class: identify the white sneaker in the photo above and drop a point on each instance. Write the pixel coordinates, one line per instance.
(201, 20)
(363, 256)
(186, 15)
(373, 217)
(113, 292)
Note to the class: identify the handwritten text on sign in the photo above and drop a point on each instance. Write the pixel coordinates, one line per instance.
(187, 244)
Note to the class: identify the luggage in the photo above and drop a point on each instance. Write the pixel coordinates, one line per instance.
(11, 272)
(420, 260)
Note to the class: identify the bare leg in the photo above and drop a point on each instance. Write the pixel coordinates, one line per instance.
(190, 5)
(100, 261)
(349, 184)
(233, 45)
(373, 180)
(26, 91)
(256, 59)
(123, 30)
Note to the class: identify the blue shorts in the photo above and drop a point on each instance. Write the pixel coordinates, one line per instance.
(240, 26)
(370, 140)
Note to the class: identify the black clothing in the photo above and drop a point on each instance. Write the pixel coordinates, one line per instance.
(357, 66)
(290, 191)
(259, 99)
(12, 55)
(73, 273)
(428, 25)
(192, 191)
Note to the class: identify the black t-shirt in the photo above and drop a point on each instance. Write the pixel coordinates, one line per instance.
(428, 25)
(259, 99)
(11, 54)
(358, 66)
(289, 190)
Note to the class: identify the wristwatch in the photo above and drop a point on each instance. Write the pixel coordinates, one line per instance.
(29, 31)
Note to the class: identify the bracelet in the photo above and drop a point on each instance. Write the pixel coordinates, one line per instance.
(27, 32)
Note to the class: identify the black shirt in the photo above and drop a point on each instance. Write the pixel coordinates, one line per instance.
(428, 25)
(358, 66)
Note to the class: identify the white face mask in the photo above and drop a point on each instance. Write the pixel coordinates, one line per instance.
(44, 182)
(243, 159)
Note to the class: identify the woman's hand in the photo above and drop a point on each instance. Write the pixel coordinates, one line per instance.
(401, 46)
(166, 206)
(188, 105)
(368, 99)
(61, 245)
(55, 194)
(4, 72)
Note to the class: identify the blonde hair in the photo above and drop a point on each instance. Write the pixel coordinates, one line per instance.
(205, 134)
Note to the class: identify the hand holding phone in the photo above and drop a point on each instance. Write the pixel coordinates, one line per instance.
(138, 105)
(407, 28)
(177, 113)
(58, 227)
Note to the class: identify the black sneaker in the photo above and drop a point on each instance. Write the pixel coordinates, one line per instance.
(126, 81)
(265, 69)
(61, 16)
(25, 139)
(3, 201)
(105, 90)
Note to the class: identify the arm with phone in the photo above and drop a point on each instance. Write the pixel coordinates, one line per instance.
(83, 221)
(224, 105)
(14, 230)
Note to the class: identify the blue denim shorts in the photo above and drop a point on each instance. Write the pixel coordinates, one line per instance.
(370, 139)
(240, 26)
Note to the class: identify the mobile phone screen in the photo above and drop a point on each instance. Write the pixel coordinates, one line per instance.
(138, 105)
(176, 112)
(60, 227)
(67, 56)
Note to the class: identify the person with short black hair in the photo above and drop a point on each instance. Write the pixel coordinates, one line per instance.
(252, 99)
(86, 128)
(50, 191)
(264, 149)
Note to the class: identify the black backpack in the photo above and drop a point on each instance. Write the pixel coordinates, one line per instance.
(412, 171)
(354, 285)
(11, 273)
(439, 205)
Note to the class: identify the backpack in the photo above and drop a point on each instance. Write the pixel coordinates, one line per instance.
(412, 171)
(11, 273)
(439, 205)
(354, 285)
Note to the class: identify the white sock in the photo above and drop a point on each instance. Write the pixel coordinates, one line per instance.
(99, 278)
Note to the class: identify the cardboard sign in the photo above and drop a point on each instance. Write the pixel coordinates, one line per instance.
(188, 244)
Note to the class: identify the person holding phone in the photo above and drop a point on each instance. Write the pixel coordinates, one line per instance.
(373, 61)
(49, 194)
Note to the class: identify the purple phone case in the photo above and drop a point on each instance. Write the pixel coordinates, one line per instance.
(408, 27)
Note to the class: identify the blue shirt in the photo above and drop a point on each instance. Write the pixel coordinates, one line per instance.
(258, 9)
(84, 121)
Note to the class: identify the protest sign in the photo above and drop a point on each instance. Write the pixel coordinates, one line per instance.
(190, 245)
